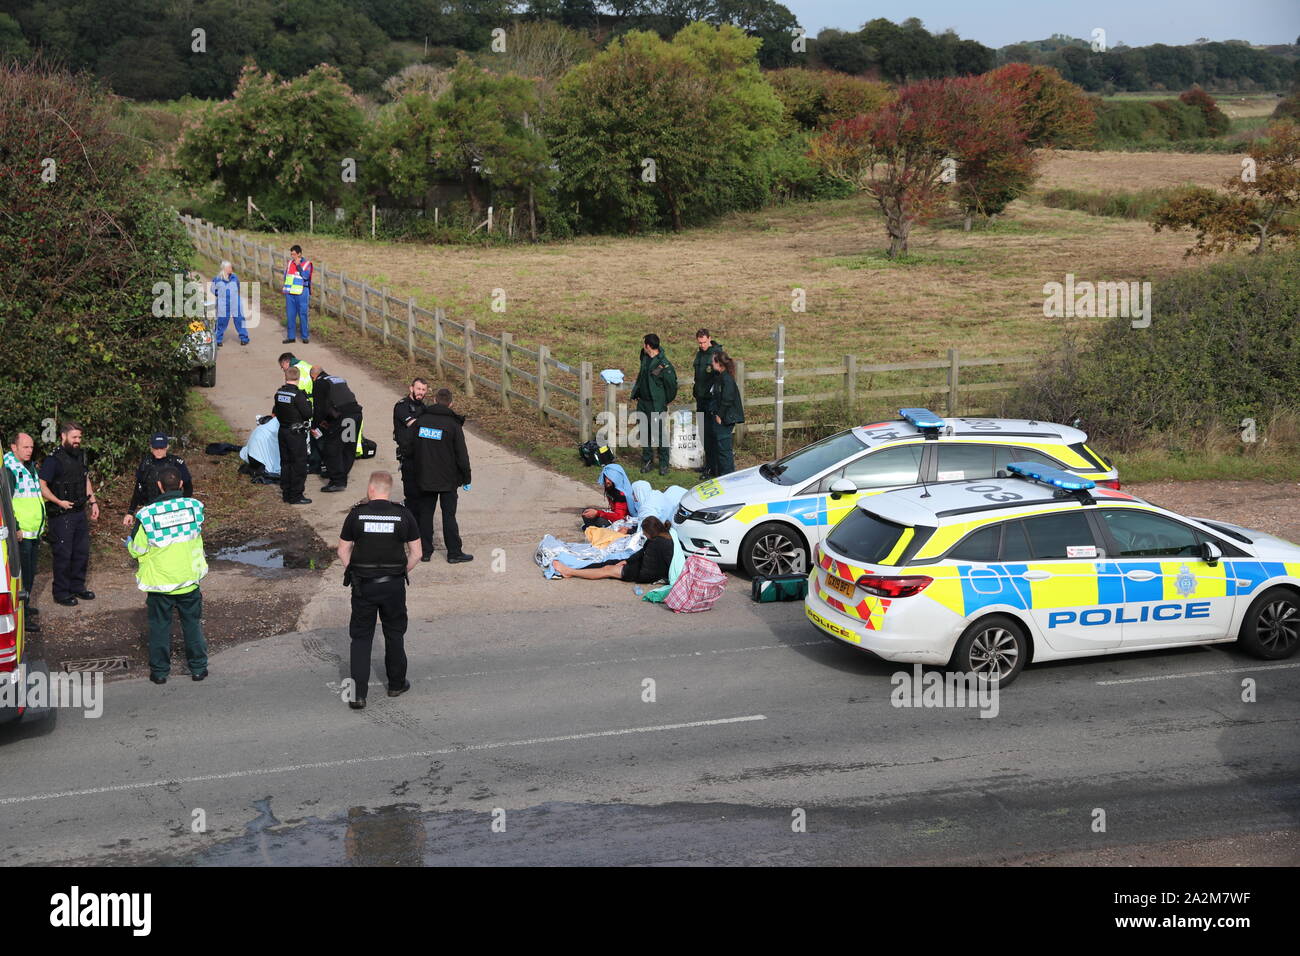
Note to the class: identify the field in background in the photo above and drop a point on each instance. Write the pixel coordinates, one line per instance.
(593, 298)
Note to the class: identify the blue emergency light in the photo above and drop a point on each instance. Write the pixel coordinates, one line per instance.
(1050, 476)
(922, 418)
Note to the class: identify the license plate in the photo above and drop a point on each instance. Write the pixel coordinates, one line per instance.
(844, 587)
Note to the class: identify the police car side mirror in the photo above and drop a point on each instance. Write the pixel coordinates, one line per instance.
(843, 486)
(1210, 553)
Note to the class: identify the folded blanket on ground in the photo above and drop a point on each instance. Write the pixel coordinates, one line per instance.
(583, 554)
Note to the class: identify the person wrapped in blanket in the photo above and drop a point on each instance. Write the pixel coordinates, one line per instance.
(646, 566)
(618, 493)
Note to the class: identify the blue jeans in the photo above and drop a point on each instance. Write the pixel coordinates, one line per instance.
(295, 307)
(224, 320)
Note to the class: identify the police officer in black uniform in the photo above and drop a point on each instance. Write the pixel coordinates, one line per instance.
(149, 473)
(379, 545)
(292, 408)
(405, 412)
(441, 465)
(68, 493)
(338, 419)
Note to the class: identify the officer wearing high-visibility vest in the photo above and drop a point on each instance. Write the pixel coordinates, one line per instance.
(338, 419)
(297, 294)
(167, 541)
(293, 411)
(305, 382)
(29, 512)
(379, 546)
(68, 493)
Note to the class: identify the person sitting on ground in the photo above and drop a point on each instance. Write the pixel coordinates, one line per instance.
(614, 482)
(647, 566)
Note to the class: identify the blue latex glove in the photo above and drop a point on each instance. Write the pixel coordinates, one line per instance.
(464, 487)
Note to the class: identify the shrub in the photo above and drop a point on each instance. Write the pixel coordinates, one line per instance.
(78, 260)
(815, 99)
(1223, 345)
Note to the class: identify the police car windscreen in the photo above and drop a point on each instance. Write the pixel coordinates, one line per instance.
(806, 463)
(864, 537)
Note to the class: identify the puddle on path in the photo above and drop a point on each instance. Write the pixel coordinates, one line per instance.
(269, 555)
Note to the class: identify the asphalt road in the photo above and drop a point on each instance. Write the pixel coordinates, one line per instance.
(541, 717)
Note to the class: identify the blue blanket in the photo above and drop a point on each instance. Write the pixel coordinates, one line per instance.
(583, 554)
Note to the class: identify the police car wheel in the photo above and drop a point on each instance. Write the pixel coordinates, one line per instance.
(994, 647)
(772, 549)
(1271, 628)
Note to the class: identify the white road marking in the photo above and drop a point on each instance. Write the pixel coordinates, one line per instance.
(378, 758)
(1226, 670)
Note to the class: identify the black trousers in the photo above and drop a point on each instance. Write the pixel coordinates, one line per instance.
(29, 554)
(338, 453)
(70, 543)
(388, 600)
(655, 434)
(410, 482)
(722, 451)
(293, 463)
(706, 437)
(426, 503)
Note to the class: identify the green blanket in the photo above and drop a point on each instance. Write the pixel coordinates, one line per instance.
(660, 594)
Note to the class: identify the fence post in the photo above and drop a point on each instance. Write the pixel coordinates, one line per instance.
(364, 287)
(779, 407)
(469, 357)
(437, 339)
(410, 328)
(343, 291)
(506, 339)
(311, 215)
(739, 432)
(543, 353)
(953, 369)
(383, 311)
(612, 424)
(584, 402)
(851, 380)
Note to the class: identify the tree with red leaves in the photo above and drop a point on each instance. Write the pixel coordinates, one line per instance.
(909, 154)
(1051, 110)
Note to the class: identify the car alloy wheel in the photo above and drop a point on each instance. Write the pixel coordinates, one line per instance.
(994, 649)
(994, 652)
(773, 550)
(1271, 629)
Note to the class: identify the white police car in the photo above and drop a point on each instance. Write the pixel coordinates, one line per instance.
(985, 576)
(768, 519)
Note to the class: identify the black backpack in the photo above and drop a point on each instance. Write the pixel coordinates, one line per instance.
(593, 453)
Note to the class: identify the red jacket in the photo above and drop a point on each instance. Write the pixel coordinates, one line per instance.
(618, 507)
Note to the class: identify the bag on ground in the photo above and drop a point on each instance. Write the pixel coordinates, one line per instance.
(698, 587)
(779, 587)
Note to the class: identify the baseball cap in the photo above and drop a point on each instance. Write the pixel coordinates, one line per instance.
(159, 440)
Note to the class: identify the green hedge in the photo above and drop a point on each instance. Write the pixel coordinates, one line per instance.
(79, 256)
(1223, 345)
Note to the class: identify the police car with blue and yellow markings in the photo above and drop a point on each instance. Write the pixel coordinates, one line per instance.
(768, 519)
(985, 576)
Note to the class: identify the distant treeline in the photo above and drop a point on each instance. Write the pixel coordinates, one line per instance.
(149, 49)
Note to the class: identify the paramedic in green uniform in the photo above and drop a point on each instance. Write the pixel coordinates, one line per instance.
(167, 541)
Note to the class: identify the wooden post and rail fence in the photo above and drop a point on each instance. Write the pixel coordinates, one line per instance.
(496, 367)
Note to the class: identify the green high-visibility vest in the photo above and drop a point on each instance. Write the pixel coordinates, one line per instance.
(29, 506)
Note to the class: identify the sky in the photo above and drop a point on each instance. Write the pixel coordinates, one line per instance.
(996, 23)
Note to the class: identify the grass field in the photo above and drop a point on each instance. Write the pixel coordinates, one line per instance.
(980, 291)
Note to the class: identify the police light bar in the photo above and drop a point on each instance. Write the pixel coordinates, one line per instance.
(1050, 476)
(921, 417)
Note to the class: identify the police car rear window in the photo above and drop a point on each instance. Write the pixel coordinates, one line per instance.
(864, 537)
(1059, 535)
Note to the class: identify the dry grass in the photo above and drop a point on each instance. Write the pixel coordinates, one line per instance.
(1136, 171)
(594, 298)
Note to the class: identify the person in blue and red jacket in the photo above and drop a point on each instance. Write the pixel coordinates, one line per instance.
(618, 494)
(297, 294)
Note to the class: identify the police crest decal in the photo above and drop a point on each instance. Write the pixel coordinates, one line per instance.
(1185, 582)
